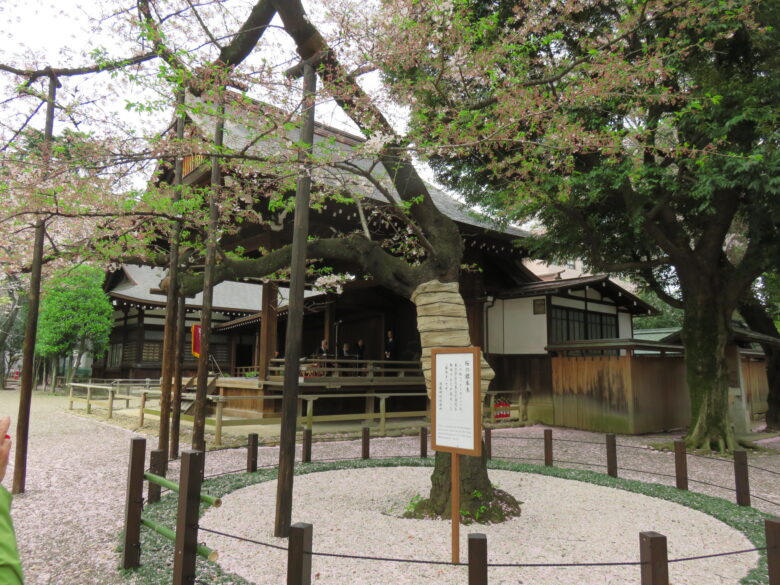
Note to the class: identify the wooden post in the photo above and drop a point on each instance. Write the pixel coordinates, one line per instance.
(186, 545)
(218, 426)
(251, 453)
(455, 509)
(488, 443)
(680, 465)
(382, 417)
(612, 468)
(141, 410)
(306, 447)
(310, 413)
(548, 447)
(423, 442)
(111, 403)
(157, 465)
(33, 303)
(292, 352)
(772, 529)
(478, 565)
(741, 480)
(299, 554)
(366, 443)
(70, 400)
(267, 338)
(131, 550)
(89, 399)
(652, 553)
(181, 330)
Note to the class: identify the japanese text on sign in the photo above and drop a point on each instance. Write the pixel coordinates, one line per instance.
(454, 395)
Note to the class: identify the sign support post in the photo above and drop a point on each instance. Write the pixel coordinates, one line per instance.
(455, 500)
(456, 417)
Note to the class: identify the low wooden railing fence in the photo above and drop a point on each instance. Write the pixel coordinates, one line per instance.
(328, 366)
(185, 536)
(653, 563)
(104, 395)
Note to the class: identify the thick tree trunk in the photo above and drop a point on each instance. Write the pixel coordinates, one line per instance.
(441, 321)
(705, 335)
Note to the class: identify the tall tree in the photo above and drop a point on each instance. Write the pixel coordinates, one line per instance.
(637, 133)
(76, 315)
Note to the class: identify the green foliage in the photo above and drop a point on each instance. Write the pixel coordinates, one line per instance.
(75, 313)
(669, 316)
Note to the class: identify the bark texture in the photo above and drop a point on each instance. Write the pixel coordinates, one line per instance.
(441, 321)
(705, 334)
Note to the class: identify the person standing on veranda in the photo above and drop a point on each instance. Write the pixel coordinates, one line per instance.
(10, 565)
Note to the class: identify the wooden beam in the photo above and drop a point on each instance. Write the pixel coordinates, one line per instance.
(268, 327)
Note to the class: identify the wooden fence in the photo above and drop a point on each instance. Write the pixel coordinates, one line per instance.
(653, 564)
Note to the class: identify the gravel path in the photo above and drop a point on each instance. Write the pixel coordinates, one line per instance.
(69, 519)
(563, 521)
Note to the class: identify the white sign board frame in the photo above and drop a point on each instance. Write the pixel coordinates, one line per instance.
(456, 401)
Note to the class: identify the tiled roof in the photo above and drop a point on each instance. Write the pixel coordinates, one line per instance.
(239, 135)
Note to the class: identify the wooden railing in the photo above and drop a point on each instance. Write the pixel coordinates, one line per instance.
(316, 368)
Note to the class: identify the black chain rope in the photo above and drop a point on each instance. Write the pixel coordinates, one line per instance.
(516, 565)
(242, 539)
(712, 556)
(773, 472)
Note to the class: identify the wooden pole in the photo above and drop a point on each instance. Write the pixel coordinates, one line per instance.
(680, 465)
(172, 297)
(455, 509)
(267, 340)
(423, 442)
(31, 326)
(186, 545)
(134, 504)
(201, 391)
(478, 565)
(306, 449)
(612, 467)
(251, 453)
(299, 554)
(772, 530)
(488, 443)
(181, 326)
(548, 447)
(652, 554)
(365, 443)
(741, 480)
(292, 351)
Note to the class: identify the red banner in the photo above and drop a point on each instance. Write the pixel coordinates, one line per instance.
(196, 340)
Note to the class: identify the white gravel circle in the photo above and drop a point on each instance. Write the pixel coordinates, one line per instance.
(563, 521)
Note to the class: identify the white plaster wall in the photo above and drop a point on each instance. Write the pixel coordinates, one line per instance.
(495, 328)
(625, 329)
(524, 332)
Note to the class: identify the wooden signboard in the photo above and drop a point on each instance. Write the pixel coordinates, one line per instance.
(456, 414)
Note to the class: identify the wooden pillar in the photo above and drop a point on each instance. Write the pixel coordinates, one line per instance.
(139, 338)
(328, 326)
(652, 554)
(680, 465)
(299, 554)
(186, 545)
(268, 326)
(131, 553)
(741, 480)
(478, 563)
